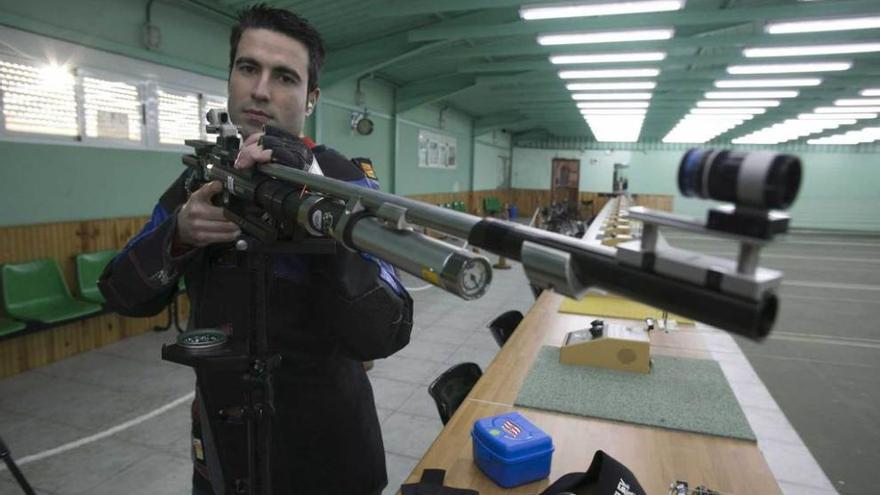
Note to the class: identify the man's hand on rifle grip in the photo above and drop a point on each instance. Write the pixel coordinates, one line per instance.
(200, 223)
(252, 152)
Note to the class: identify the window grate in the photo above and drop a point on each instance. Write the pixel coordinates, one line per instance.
(179, 117)
(112, 109)
(38, 100)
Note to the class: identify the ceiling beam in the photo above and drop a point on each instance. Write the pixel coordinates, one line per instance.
(400, 8)
(409, 97)
(497, 121)
(686, 17)
(669, 62)
(528, 46)
(400, 53)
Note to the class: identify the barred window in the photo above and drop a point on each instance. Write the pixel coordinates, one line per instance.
(112, 109)
(38, 100)
(179, 116)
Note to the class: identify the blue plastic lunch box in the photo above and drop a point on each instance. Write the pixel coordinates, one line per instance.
(510, 450)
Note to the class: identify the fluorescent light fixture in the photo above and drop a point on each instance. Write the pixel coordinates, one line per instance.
(727, 111)
(615, 128)
(831, 116)
(608, 58)
(808, 50)
(738, 103)
(607, 73)
(791, 129)
(846, 109)
(610, 86)
(789, 68)
(611, 96)
(768, 83)
(632, 111)
(856, 136)
(815, 26)
(613, 104)
(606, 36)
(699, 128)
(720, 118)
(589, 9)
(735, 95)
(856, 102)
(870, 92)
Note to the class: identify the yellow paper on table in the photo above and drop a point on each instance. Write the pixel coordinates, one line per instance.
(615, 307)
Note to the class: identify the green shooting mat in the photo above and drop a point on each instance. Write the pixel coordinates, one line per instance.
(679, 393)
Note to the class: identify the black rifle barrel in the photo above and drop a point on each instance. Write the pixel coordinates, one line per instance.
(594, 266)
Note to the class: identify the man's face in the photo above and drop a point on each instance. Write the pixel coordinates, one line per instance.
(268, 83)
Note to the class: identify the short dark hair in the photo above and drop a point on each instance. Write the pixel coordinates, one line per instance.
(261, 16)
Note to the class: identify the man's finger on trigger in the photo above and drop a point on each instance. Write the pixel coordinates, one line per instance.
(208, 190)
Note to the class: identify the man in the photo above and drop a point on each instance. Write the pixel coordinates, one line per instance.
(325, 314)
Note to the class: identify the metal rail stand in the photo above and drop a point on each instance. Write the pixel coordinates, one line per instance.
(173, 319)
(13, 468)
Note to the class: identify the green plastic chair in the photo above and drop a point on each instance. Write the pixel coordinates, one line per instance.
(8, 326)
(35, 291)
(491, 205)
(459, 206)
(89, 267)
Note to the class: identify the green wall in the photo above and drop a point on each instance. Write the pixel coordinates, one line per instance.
(411, 179)
(191, 38)
(333, 125)
(55, 183)
(839, 191)
(490, 152)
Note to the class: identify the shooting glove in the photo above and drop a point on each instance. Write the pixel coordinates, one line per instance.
(287, 149)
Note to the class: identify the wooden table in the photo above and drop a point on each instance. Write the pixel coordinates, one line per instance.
(656, 456)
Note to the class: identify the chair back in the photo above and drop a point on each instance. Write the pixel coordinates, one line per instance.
(452, 386)
(503, 326)
(89, 267)
(33, 285)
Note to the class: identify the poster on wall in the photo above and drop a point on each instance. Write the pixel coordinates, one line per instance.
(437, 150)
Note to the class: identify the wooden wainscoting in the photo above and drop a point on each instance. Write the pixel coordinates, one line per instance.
(63, 241)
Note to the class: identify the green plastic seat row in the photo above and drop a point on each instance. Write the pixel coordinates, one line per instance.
(36, 291)
(492, 205)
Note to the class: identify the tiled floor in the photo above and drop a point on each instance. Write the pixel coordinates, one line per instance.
(89, 393)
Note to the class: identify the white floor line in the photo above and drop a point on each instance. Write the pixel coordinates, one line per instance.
(800, 257)
(416, 289)
(832, 299)
(828, 285)
(825, 339)
(781, 243)
(103, 434)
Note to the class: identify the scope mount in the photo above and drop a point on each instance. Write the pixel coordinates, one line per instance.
(752, 229)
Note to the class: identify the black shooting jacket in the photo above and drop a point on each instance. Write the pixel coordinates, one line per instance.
(326, 314)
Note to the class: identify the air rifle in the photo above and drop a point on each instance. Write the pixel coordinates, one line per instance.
(737, 296)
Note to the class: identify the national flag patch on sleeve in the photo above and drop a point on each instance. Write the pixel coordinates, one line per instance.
(367, 166)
